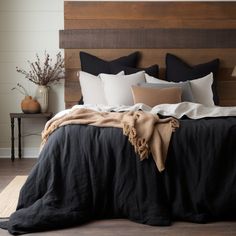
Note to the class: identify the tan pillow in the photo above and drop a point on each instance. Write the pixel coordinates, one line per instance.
(154, 96)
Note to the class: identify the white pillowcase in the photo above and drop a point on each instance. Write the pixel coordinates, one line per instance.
(201, 88)
(92, 89)
(153, 80)
(117, 88)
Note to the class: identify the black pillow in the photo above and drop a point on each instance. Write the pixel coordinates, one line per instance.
(152, 70)
(177, 70)
(94, 65)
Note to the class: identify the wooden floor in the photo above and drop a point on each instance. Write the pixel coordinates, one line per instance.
(119, 227)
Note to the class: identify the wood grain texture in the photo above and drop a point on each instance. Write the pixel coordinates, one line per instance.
(149, 24)
(148, 38)
(72, 90)
(149, 10)
(199, 22)
(113, 15)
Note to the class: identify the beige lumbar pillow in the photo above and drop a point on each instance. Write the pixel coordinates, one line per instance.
(156, 96)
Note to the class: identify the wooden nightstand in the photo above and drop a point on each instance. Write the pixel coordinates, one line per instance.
(20, 116)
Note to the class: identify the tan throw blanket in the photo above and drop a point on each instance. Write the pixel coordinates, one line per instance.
(146, 132)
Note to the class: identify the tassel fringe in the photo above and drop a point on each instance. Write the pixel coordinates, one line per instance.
(140, 144)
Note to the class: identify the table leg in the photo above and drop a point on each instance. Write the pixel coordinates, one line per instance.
(12, 140)
(19, 137)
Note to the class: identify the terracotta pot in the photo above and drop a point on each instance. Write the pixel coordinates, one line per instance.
(30, 105)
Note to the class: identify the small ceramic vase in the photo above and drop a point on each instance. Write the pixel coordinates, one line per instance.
(42, 97)
(30, 105)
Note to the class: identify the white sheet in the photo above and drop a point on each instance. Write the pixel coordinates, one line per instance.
(191, 110)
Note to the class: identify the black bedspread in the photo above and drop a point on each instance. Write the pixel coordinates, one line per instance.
(85, 173)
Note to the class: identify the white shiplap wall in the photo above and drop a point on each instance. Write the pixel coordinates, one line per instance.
(27, 27)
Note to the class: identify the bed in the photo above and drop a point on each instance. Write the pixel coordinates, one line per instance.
(86, 172)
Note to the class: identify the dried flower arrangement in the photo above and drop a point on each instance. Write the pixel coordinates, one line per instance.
(21, 89)
(45, 73)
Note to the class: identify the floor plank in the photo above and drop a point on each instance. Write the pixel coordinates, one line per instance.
(9, 169)
(117, 227)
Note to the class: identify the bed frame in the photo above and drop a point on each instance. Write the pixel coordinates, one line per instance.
(197, 32)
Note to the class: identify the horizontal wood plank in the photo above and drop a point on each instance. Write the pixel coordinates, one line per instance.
(72, 90)
(226, 91)
(228, 103)
(72, 74)
(149, 10)
(70, 104)
(148, 38)
(149, 24)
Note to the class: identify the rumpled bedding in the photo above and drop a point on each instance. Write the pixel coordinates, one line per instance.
(178, 110)
(145, 131)
(85, 173)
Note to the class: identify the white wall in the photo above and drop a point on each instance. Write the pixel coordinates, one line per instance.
(27, 27)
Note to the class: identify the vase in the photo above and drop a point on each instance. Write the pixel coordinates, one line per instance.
(30, 105)
(42, 97)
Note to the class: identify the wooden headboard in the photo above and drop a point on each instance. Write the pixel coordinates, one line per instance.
(197, 32)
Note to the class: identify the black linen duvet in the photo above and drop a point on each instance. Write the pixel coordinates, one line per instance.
(85, 173)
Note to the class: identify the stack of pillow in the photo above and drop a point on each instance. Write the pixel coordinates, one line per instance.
(120, 82)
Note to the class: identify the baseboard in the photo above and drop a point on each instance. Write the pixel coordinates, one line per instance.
(25, 152)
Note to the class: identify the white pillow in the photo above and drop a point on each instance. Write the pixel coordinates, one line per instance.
(117, 88)
(201, 88)
(153, 80)
(92, 89)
